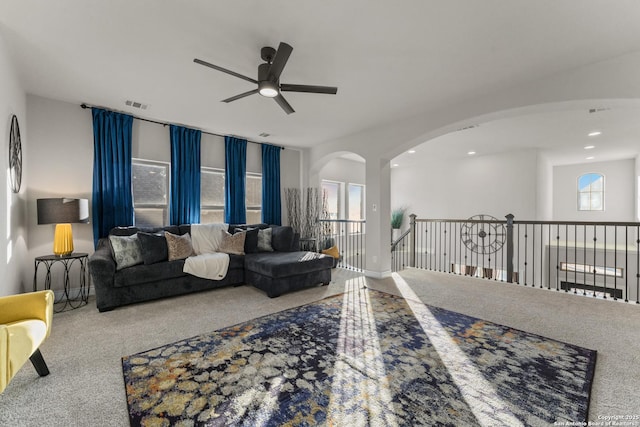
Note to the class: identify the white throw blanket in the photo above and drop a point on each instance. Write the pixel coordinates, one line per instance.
(206, 238)
(209, 266)
(207, 263)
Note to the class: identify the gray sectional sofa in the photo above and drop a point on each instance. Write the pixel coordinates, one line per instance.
(153, 276)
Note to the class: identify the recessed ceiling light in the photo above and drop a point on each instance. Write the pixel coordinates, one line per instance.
(589, 147)
(595, 133)
(471, 153)
(395, 165)
(590, 158)
(411, 151)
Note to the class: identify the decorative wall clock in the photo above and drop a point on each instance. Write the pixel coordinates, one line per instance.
(15, 155)
(483, 237)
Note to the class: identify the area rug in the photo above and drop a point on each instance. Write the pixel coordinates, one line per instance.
(361, 358)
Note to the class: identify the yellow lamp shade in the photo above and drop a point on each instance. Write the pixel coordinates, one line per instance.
(63, 240)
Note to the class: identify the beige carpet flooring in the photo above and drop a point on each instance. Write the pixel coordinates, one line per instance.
(85, 387)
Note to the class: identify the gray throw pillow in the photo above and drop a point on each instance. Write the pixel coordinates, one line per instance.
(282, 238)
(126, 251)
(264, 240)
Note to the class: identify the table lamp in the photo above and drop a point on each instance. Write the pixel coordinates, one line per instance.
(63, 212)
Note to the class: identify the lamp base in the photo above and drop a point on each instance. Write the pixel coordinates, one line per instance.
(63, 240)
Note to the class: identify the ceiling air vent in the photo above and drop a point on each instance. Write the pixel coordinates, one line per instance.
(136, 104)
(597, 110)
(264, 134)
(467, 127)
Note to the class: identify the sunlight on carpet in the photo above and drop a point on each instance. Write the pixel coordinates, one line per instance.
(481, 396)
(358, 331)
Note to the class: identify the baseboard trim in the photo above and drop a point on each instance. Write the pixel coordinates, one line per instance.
(377, 274)
(59, 293)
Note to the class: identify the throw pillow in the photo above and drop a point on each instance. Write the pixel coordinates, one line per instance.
(332, 252)
(264, 240)
(126, 251)
(282, 238)
(154, 247)
(232, 243)
(250, 240)
(178, 247)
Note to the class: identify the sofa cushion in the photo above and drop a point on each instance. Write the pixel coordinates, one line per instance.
(282, 238)
(178, 247)
(148, 273)
(232, 243)
(264, 240)
(126, 251)
(285, 264)
(236, 262)
(154, 247)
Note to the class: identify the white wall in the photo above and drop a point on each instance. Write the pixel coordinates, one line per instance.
(619, 178)
(13, 232)
(344, 170)
(493, 185)
(60, 165)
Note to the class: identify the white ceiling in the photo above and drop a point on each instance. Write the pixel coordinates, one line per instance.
(388, 59)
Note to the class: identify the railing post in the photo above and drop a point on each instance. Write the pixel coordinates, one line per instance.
(509, 248)
(412, 243)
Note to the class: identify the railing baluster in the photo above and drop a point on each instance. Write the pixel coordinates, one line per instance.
(637, 264)
(615, 262)
(595, 239)
(604, 285)
(584, 260)
(626, 263)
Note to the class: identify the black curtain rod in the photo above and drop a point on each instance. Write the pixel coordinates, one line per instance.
(85, 106)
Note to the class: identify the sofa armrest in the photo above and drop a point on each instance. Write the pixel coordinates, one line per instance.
(102, 267)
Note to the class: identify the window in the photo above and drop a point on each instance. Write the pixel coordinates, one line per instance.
(253, 199)
(211, 196)
(331, 193)
(591, 192)
(150, 181)
(355, 199)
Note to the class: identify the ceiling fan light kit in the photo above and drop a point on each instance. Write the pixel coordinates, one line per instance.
(269, 78)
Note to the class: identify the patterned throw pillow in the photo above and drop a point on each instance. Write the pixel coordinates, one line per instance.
(233, 243)
(126, 251)
(179, 247)
(264, 240)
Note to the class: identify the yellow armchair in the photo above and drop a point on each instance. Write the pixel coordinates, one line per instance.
(25, 322)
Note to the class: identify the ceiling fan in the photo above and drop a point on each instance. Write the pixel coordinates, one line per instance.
(269, 77)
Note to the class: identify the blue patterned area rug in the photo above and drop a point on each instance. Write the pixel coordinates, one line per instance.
(361, 358)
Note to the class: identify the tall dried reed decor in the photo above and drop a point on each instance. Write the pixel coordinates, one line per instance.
(292, 197)
(304, 209)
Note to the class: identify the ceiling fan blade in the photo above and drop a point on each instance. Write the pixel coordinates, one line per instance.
(308, 88)
(279, 61)
(284, 104)
(242, 95)
(224, 70)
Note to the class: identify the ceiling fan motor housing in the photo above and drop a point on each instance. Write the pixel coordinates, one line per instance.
(267, 53)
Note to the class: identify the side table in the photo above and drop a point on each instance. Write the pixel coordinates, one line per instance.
(72, 301)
